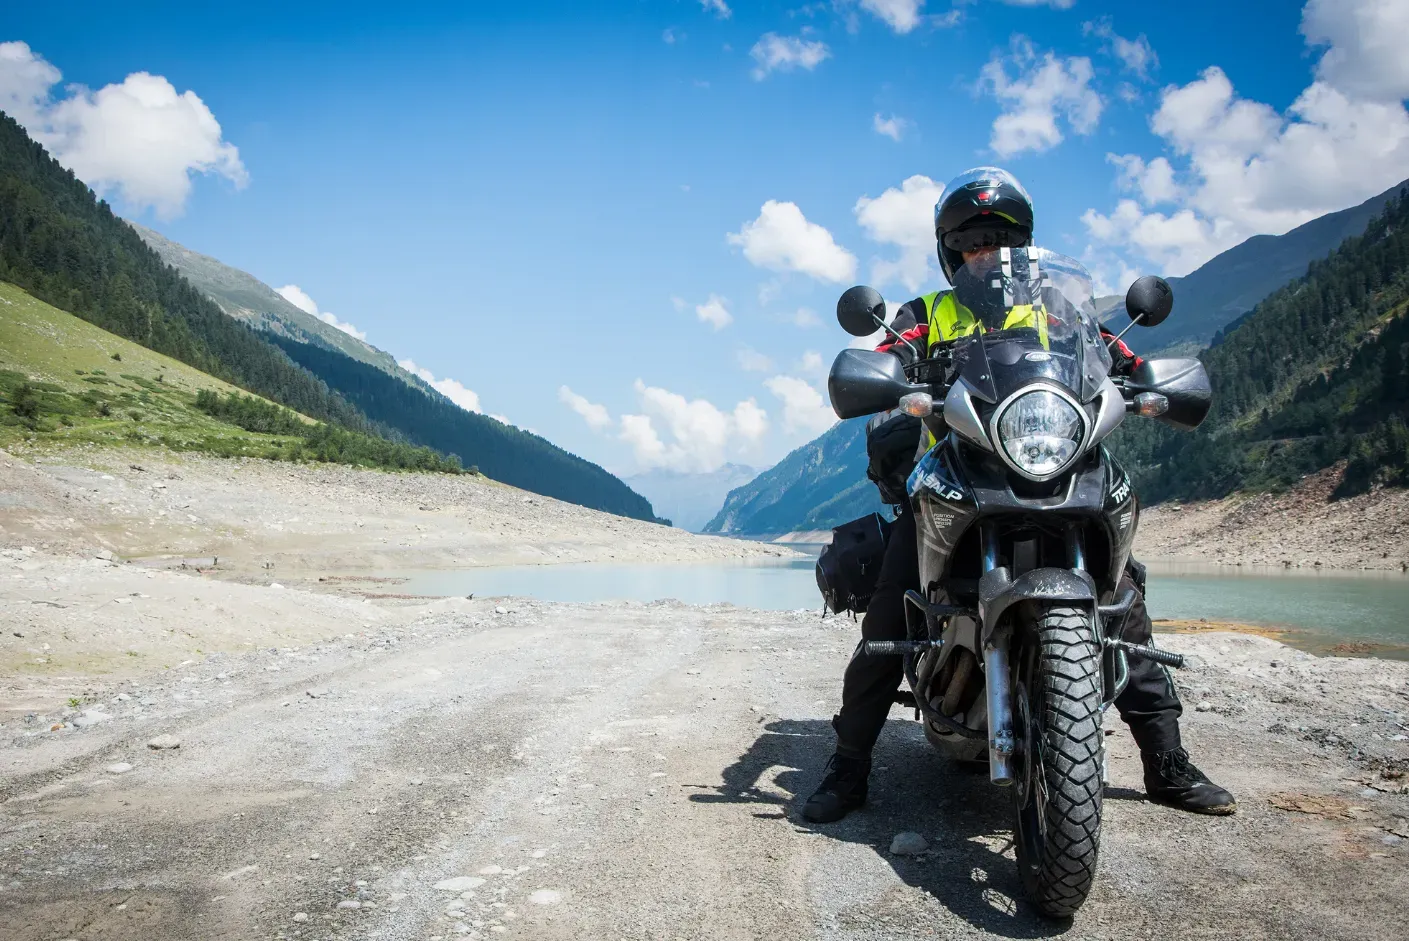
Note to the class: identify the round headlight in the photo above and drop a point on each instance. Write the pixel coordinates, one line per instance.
(1040, 432)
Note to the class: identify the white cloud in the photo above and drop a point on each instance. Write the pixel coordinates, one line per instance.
(450, 388)
(138, 139)
(1245, 169)
(811, 362)
(1045, 88)
(596, 416)
(751, 360)
(296, 296)
(1366, 55)
(718, 7)
(1153, 180)
(900, 15)
(893, 127)
(668, 37)
(715, 312)
(1136, 55)
(775, 53)
(781, 239)
(804, 408)
(805, 318)
(903, 218)
(701, 436)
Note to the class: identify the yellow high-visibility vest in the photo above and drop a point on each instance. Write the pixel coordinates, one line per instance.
(949, 320)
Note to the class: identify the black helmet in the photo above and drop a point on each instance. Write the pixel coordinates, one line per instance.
(981, 208)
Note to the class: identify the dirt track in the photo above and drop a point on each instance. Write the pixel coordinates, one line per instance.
(633, 771)
(608, 771)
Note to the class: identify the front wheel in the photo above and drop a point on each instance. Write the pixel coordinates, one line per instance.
(1057, 792)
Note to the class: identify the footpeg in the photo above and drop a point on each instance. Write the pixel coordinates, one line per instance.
(890, 648)
(1141, 652)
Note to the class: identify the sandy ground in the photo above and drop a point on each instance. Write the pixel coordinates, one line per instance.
(350, 767)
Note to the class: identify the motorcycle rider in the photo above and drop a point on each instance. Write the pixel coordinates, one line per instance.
(986, 209)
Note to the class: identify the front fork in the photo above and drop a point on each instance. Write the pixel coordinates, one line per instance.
(997, 682)
(997, 673)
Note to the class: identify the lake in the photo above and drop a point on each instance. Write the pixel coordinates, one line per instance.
(1319, 610)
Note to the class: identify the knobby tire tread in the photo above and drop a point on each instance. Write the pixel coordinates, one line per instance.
(1069, 697)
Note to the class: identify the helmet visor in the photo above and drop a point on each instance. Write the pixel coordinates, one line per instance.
(989, 177)
(999, 233)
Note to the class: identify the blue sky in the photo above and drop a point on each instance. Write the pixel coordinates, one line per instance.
(655, 205)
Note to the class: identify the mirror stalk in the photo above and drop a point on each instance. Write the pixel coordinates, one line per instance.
(1116, 339)
(898, 338)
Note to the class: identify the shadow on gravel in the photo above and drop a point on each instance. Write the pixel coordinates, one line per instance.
(969, 868)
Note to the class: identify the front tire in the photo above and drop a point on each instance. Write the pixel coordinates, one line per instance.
(1057, 692)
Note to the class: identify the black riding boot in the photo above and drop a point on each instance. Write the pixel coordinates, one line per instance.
(1171, 778)
(841, 791)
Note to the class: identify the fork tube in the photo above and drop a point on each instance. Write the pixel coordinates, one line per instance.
(1076, 549)
(996, 683)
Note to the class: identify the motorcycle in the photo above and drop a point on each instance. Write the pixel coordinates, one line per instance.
(1025, 523)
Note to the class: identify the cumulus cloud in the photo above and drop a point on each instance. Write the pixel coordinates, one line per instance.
(900, 15)
(450, 388)
(138, 139)
(774, 53)
(689, 434)
(715, 312)
(296, 296)
(1243, 169)
(1042, 89)
(596, 416)
(781, 239)
(1136, 55)
(903, 218)
(893, 127)
(751, 360)
(718, 7)
(1153, 180)
(805, 410)
(1365, 57)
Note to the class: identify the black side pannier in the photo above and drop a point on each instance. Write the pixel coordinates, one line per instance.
(847, 570)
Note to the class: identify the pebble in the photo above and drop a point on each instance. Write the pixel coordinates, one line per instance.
(349, 903)
(546, 897)
(90, 717)
(300, 917)
(908, 843)
(162, 742)
(490, 871)
(315, 856)
(501, 610)
(318, 692)
(459, 884)
(120, 767)
(1203, 706)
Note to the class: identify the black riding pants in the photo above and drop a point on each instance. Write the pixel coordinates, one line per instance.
(1149, 704)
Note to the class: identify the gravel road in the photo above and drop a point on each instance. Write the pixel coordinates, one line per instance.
(526, 770)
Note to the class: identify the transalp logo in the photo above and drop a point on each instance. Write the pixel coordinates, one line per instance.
(1121, 491)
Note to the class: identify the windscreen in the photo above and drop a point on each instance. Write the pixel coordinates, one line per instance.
(1028, 313)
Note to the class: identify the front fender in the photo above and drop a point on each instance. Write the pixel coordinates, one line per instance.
(998, 591)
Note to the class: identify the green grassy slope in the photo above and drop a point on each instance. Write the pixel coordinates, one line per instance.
(64, 381)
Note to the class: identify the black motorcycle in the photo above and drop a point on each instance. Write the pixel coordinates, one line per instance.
(1025, 523)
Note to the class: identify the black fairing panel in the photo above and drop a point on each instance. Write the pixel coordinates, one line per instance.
(971, 487)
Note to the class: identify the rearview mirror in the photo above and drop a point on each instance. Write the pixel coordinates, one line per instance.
(861, 310)
(863, 382)
(1149, 300)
